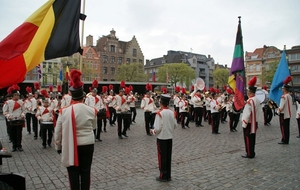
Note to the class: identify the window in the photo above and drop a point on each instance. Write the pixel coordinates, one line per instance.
(128, 60)
(293, 57)
(271, 55)
(119, 60)
(112, 70)
(250, 68)
(90, 55)
(134, 61)
(112, 79)
(104, 70)
(112, 59)
(104, 79)
(257, 67)
(112, 48)
(140, 61)
(34, 71)
(95, 66)
(35, 78)
(134, 52)
(104, 59)
(27, 77)
(194, 61)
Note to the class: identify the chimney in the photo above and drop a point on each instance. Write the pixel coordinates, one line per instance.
(112, 33)
(225, 66)
(208, 56)
(89, 41)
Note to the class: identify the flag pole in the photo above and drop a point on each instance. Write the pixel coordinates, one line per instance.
(82, 34)
(242, 44)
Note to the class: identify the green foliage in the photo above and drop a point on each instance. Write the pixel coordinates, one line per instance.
(177, 73)
(133, 72)
(268, 72)
(220, 77)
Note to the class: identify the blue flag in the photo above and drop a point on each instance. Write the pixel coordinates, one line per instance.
(60, 73)
(280, 75)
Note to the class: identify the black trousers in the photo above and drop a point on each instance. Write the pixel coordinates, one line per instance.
(192, 112)
(249, 141)
(126, 123)
(298, 122)
(204, 113)
(47, 128)
(209, 117)
(8, 128)
(223, 114)
(268, 115)
(177, 114)
(199, 115)
(215, 122)
(113, 116)
(164, 152)
(31, 117)
(285, 129)
(98, 130)
(183, 116)
(80, 176)
(149, 121)
(233, 120)
(133, 111)
(16, 136)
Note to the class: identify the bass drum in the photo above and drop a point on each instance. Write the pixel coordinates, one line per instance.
(261, 96)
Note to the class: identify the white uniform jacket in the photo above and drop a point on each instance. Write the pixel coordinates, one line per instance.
(95, 102)
(121, 103)
(66, 100)
(44, 114)
(14, 109)
(148, 104)
(285, 105)
(183, 105)
(197, 100)
(78, 119)
(165, 123)
(251, 112)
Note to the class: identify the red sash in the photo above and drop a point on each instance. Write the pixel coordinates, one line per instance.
(45, 111)
(123, 100)
(16, 106)
(96, 99)
(150, 101)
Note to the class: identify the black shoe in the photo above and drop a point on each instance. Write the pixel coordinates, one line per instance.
(99, 140)
(20, 149)
(133, 121)
(161, 180)
(120, 137)
(298, 136)
(35, 138)
(235, 130)
(105, 130)
(44, 147)
(231, 130)
(201, 125)
(124, 135)
(245, 156)
(183, 128)
(282, 143)
(49, 145)
(197, 125)
(218, 133)
(149, 134)
(14, 150)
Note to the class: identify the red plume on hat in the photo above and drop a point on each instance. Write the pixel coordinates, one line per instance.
(28, 89)
(127, 90)
(149, 87)
(58, 88)
(130, 88)
(212, 90)
(183, 90)
(164, 90)
(287, 80)
(51, 88)
(122, 84)
(95, 84)
(44, 93)
(75, 78)
(177, 88)
(229, 91)
(9, 90)
(252, 82)
(217, 91)
(36, 85)
(104, 89)
(111, 87)
(225, 87)
(15, 87)
(265, 87)
(90, 89)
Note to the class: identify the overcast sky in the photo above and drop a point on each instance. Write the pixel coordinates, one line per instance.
(201, 26)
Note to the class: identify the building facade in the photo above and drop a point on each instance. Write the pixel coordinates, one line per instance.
(293, 55)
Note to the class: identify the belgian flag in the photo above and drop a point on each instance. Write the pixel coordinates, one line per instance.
(50, 32)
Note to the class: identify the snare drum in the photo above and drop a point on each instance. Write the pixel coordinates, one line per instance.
(261, 96)
(126, 115)
(46, 124)
(101, 114)
(17, 122)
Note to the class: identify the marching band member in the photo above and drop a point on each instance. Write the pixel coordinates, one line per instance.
(197, 99)
(176, 103)
(111, 102)
(215, 115)
(191, 105)
(298, 117)
(183, 110)
(30, 113)
(249, 119)
(233, 119)
(121, 106)
(14, 111)
(132, 100)
(74, 137)
(95, 101)
(103, 96)
(149, 107)
(35, 106)
(285, 111)
(207, 103)
(266, 109)
(66, 99)
(8, 128)
(45, 115)
(58, 99)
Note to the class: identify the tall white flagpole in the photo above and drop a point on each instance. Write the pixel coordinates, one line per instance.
(82, 34)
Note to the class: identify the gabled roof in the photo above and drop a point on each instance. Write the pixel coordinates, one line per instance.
(90, 49)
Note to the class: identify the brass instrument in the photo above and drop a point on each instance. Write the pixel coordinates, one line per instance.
(273, 106)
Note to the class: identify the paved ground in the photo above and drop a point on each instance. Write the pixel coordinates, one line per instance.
(200, 160)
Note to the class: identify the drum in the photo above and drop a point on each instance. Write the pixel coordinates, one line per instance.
(261, 96)
(126, 115)
(101, 114)
(46, 124)
(16, 122)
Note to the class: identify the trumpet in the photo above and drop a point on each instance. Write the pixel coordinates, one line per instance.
(221, 107)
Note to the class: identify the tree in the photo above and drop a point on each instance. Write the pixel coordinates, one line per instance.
(176, 73)
(268, 72)
(133, 72)
(220, 77)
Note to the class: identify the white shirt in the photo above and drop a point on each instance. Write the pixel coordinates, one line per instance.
(165, 123)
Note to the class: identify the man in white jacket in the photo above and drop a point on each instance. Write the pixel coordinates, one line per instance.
(74, 136)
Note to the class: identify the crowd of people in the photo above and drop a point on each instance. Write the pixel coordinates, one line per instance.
(44, 113)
